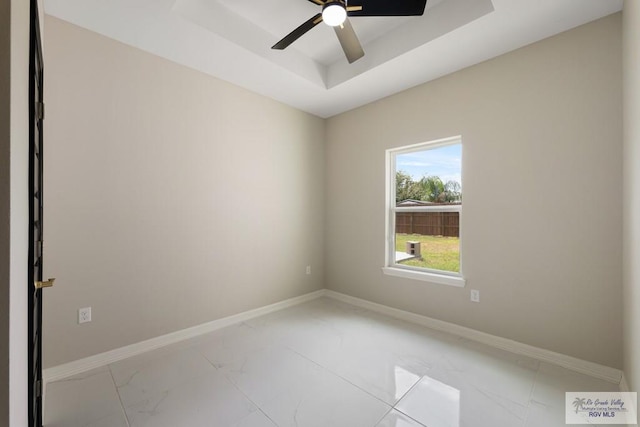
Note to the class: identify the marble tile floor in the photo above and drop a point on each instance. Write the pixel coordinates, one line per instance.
(319, 364)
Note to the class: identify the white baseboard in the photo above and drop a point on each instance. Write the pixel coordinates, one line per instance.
(589, 368)
(83, 365)
(582, 366)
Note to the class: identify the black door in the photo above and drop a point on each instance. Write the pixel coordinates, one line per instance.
(35, 283)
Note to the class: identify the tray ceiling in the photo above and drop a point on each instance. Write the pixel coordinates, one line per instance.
(232, 39)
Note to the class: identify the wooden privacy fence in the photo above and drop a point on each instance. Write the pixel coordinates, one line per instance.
(429, 223)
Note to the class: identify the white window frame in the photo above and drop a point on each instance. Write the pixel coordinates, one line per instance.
(392, 268)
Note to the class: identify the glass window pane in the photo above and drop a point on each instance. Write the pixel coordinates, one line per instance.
(428, 240)
(424, 178)
(430, 176)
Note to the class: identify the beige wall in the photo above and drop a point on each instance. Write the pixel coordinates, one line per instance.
(172, 198)
(5, 135)
(631, 44)
(542, 158)
(156, 174)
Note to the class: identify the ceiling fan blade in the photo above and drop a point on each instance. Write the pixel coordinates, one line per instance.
(388, 8)
(349, 41)
(318, 2)
(298, 32)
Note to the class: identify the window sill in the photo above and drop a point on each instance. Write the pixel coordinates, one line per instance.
(441, 279)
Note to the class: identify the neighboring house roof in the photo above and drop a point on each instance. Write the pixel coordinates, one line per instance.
(411, 202)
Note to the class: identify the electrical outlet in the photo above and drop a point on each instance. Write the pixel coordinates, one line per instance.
(475, 295)
(308, 269)
(84, 315)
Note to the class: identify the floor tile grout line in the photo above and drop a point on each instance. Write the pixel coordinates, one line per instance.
(251, 400)
(407, 392)
(124, 412)
(409, 416)
(224, 375)
(395, 407)
(533, 387)
(248, 398)
(163, 354)
(383, 417)
(338, 375)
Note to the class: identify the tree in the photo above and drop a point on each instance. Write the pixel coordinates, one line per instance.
(430, 188)
(406, 188)
(452, 192)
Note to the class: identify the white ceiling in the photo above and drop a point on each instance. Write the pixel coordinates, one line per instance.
(232, 39)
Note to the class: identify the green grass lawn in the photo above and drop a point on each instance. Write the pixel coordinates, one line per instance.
(440, 253)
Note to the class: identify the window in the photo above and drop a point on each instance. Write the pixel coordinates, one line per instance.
(424, 207)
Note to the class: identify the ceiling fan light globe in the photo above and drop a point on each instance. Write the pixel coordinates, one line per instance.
(334, 14)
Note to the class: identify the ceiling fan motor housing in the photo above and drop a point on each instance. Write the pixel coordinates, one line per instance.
(334, 13)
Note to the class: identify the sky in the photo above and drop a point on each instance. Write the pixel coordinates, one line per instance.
(445, 162)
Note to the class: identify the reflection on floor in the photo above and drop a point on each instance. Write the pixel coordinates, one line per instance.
(319, 364)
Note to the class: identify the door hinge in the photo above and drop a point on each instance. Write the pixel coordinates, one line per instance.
(38, 388)
(40, 110)
(39, 253)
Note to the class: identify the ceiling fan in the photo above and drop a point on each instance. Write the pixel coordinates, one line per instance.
(335, 13)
